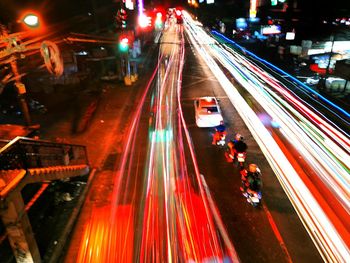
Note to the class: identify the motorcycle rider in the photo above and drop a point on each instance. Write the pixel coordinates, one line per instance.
(251, 179)
(230, 151)
(220, 131)
(235, 146)
(240, 145)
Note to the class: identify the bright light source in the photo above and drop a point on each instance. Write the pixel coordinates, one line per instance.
(253, 8)
(129, 4)
(82, 53)
(31, 20)
(290, 36)
(124, 44)
(144, 21)
(159, 14)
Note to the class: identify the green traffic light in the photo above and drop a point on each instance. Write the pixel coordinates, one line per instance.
(124, 45)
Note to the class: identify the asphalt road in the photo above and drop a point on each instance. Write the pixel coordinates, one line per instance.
(130, 189)
(272, 233)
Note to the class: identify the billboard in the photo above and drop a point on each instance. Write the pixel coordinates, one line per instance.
(252, 9)
(290, 35)
(270, 29)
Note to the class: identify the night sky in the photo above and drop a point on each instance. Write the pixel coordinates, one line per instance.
(55, 10)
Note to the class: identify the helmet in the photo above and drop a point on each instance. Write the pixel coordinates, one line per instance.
(238, 137)
(252, 168)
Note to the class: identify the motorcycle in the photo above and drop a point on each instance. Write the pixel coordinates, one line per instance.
(219, 138)
(241, 159)
(251, 185)
(221, 141)
(253, 197)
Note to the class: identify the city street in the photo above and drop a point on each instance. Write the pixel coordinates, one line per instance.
(134, 174)
(120, 171)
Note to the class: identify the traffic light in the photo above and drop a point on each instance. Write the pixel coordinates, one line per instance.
(122, 17)
(159, 22)
(126, 41)
(124, 44)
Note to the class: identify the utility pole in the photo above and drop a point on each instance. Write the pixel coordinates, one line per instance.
(21, 90)
(330, 55)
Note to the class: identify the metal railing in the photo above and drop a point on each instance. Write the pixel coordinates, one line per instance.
(26, 153)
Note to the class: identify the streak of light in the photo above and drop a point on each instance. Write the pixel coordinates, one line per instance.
(288, 76)
(119, 217)
(141, 7)
(203, 187)
(165, 213)
(325, 148)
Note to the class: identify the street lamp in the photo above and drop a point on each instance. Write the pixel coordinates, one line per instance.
(12, 47)
(31, 20)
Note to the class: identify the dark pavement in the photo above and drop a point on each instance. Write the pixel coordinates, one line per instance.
(254, 232)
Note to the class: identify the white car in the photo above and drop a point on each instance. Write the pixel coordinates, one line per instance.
(207, 112)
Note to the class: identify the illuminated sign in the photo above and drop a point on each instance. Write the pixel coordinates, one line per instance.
(210, 1)
(270, 30)
(273, 2)
(252, 10)
(290, 36)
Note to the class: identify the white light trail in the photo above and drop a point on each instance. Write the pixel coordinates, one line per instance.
(329, 161)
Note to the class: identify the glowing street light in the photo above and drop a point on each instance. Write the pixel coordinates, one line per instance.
(31, 20)
(144, 21)
(48, 49)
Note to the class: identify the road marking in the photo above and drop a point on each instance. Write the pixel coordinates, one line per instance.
(277, 233)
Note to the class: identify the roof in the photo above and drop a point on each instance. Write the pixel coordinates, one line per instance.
(207, 101)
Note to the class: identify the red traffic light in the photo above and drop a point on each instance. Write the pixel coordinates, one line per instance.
(124, 40)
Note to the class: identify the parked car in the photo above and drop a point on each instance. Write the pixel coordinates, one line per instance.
(207, 112)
